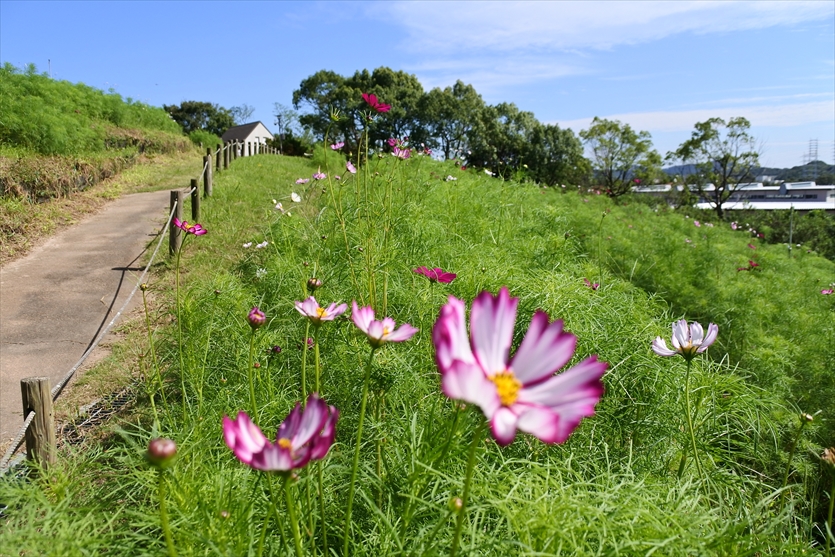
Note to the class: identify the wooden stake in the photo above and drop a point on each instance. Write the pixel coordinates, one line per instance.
(40, 436)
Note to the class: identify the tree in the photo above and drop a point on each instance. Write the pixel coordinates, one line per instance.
(721, 154)
(619, 156)
(447, 115)
(196, 115)
(500, 138)
(555, 156)
(241, 114)
(325, 92)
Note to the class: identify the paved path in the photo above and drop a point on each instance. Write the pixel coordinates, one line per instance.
(54, 301)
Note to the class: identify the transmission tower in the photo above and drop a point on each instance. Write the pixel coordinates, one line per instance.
(811, 170)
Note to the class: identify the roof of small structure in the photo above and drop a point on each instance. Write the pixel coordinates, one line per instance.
(241, 132)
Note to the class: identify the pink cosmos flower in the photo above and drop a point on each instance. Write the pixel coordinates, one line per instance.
(521, 392)
(372, 101)
(734, 226)
(827, 291)
(256, 317)
(435, 275)
(593, 286)
(319, 175)
(303, 436)
(402, 153)
(338, 145)
(752, 246)
(350, 167)
(697, 223)
(687, 341)
(318, 315)
(392, 142)
(302, 180)
(195, 229)
(379, 332)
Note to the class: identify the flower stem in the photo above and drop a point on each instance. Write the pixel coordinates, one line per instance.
(690, 419)
(791, 456)
(291, 513)
(467, 480)
(251, 376)
(356, 462)
(153, 358)
(316, 359)
(180, 327)
(163, 516)
(322, 507)
(829, 518)
(304, 362)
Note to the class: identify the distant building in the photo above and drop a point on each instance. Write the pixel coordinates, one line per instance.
(802, 196)
(255, 132)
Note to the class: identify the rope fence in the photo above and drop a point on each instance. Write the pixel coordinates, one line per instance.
(36, 394)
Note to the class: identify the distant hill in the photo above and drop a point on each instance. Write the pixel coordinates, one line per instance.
(817, 171)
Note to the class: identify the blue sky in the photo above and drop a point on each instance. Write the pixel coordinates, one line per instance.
(660, 66)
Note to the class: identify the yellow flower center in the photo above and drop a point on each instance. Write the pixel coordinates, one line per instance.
(507, 386)
(386, 331)
(321, 312)
(285, 443)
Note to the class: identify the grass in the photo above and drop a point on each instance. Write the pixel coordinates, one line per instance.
(24, 224)
(623, 483)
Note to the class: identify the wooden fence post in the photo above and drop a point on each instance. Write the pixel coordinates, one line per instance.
(235, 150)
(40, 436)
(175, 240)
(217, 158)
(195, 201)
(225, 156)
(207, 176)
(208, 152)
(249, 147)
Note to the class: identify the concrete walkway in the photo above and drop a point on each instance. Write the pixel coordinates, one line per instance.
(56, 300)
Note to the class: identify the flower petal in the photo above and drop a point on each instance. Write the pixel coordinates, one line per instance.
(696, 333)
(541, 422)
(322, 443)
(681, 333)
(659, 346)
(468, 383)
(544, 350)
(491, 327)
(405, 332)
(581, 382)
(503, 426)
(313, 419)
(449, 335)
(362, 317)
(273, 459)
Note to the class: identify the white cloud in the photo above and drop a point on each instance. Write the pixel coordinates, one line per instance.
(564, 26)
(785, 115)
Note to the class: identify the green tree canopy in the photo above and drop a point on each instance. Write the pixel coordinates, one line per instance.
(196, 115)
(720, 153)
(619, 155)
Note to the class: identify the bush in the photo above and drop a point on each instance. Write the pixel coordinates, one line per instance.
(202, 138)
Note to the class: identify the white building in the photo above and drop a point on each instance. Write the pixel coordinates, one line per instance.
(802, 196)
(255, 132)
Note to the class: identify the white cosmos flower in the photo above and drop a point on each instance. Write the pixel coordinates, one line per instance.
(295, 197)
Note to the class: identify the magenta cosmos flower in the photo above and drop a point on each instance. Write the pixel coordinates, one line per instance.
(379, 332)
(402, 153)
(687, 340)
(303, 436)
(521, 392)
(195, 229)
(317, 315)
(827, 291)
(372, 101)
(350, 167)
(256, 318)
(435, 275)
(338, 145)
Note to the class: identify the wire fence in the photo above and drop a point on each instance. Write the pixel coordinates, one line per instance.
(226, 151)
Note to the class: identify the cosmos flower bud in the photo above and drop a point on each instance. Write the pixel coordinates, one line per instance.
(161, 452)
(313, 284)
(143, 287)
(256, 318)
(455, 504)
